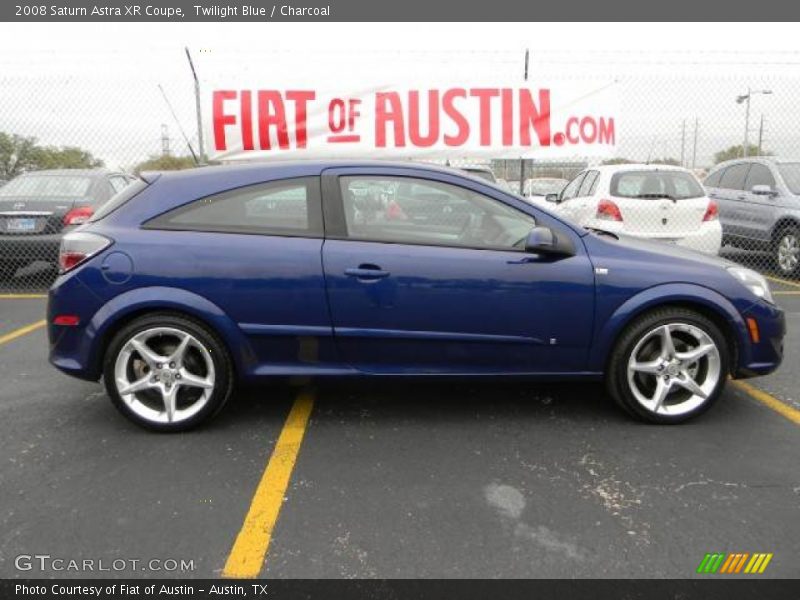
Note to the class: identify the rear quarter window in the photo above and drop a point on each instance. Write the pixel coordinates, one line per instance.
(118, 199)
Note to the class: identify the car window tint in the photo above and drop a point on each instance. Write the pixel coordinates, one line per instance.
(791, 176)
(713, 179)
(571, 189)
(47, 186)
(734, 176)
(655, 184)
(287, 207)
(759, 175)
(416, 211)
(588, 184)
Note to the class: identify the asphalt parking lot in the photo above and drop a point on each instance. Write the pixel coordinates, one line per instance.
(389, 480)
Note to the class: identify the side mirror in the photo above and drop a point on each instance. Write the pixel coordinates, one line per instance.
(543, 240)
(763, 190)
(551, 198)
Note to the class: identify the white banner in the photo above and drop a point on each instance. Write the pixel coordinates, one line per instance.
(542, 120)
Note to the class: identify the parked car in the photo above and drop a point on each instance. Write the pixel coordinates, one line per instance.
(759, 207)
(38, 207)
(662, 203)
(542, 186)
(482, 172)
(187, 282)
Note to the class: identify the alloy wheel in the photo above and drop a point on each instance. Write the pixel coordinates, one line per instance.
(788, 253)
(673, 369)
(164, 375)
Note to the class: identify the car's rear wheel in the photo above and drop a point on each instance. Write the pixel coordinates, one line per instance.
(787, 251)
(167, 372)
(668, 366)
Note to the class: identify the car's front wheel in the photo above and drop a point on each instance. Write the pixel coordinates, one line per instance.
(167, 372)
(787, 251)
(668, 366)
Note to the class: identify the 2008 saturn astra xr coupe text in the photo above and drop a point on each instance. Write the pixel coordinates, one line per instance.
(184, 283)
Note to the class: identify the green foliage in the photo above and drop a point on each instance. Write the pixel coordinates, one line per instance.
(737, 152)
(617, 161)
(166, 162)
(19, 154)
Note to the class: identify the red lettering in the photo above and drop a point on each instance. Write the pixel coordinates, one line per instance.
(449, 108)
(417, 139)
(246, 110)
(271, 113)
(389, 109)
(301, 100)
(508, 116)
(539, 117)
(485, 96)
(220, 118)
(606, 133)
(572, 137)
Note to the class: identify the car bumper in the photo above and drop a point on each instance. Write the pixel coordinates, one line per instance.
(25, 249)
(707, 239)
(763, 356)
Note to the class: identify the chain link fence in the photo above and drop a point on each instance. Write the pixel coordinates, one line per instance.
(704, 157)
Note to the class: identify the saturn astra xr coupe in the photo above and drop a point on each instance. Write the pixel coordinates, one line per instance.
(186, 283)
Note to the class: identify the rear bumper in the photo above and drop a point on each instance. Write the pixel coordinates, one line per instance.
(707, 239)
(25, 249)
(766, 355)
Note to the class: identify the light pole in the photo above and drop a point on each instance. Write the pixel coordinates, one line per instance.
(746, 98)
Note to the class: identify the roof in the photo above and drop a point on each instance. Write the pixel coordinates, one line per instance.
(638, 167)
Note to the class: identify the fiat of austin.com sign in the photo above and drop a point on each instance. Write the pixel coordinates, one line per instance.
(556, 119)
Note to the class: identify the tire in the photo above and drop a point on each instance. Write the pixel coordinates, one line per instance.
(652, 383)
(786, 251)
(177, 372)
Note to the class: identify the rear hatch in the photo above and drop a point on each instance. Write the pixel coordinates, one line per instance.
(659, 203)
(25, 215)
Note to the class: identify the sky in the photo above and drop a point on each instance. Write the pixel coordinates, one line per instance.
(97, 85)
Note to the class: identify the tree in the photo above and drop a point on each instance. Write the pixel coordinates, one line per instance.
(737, 152)
(617, 161)
(167, 162)
(666, 161)
(19, 154)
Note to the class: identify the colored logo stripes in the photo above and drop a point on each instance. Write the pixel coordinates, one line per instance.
(720, 562)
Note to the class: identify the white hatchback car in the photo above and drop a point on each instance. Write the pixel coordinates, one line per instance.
(659, 202)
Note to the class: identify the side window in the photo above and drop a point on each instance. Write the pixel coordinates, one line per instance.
(759, 175)
(734, 176)
(589, 183)
(118, 183)
(290, 207)
(713, 178)
(571, 189)
(408, 210)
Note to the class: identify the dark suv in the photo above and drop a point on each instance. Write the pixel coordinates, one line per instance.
(759, 207)
(37, 208)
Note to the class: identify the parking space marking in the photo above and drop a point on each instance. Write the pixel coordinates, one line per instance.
(770, 401)
(786, 293)
(246, 558)
(783, 281)
(22, 331)
(22, 296)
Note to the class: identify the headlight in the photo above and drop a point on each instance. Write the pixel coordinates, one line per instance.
(753, 281)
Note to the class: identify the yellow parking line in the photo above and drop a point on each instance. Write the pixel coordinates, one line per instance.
(783, 281)
(250, 548)
(779, 407)
(22, 296)
(786, 293)
(21, 331)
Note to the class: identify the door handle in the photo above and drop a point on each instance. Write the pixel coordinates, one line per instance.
(366, 272)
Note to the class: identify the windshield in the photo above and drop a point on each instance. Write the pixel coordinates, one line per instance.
(791, 176)
(47, 186)
(655, 184)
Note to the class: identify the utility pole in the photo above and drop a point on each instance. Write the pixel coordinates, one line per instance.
(746, 98)
(683, 143)
(201, 147)
(165, 140)
(760, 134)
(522, 160)
(694, 143)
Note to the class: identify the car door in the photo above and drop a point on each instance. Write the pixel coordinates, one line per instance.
(458, 296)
(732, 202)
(759, 211)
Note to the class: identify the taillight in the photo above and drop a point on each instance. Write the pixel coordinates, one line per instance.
(608, 211)
(78, 216)
(79, 247)
(712, 212)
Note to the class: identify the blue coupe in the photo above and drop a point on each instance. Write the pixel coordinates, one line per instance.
(186, 283)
